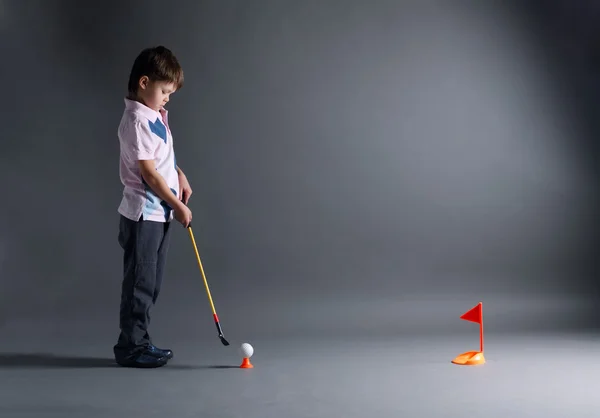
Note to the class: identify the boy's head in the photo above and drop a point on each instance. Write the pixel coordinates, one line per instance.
(155, 75)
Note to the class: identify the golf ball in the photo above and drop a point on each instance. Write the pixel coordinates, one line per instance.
(246, 350)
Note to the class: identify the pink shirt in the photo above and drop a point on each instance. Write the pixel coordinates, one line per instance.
(144, 134)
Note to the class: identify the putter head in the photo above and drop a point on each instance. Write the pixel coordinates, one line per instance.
(223, 340)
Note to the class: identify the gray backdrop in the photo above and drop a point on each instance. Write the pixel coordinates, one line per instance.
(359, 167)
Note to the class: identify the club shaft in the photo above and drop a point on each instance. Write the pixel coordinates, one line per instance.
(212, 305)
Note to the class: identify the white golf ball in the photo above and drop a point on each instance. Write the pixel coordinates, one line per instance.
(246, 350)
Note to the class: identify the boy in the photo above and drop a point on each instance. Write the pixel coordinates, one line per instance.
(155, 191)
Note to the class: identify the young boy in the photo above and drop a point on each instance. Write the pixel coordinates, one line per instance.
(155, 191)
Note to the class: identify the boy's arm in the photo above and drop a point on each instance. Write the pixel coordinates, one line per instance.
(158, 183)
(185, 190)
(140, 146)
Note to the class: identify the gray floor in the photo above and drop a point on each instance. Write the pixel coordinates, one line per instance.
(525, 376)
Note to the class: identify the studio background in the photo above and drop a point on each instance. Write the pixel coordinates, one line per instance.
(359, 168)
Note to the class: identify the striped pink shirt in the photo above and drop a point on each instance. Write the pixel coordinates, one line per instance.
(144, 134)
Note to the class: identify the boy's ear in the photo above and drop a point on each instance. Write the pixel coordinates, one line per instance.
(144, 81)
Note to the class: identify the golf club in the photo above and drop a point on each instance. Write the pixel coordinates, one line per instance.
(212, 305)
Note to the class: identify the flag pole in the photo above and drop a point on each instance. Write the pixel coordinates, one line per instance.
(481, 330)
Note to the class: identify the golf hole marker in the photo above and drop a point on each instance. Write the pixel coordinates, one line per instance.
(473, 358)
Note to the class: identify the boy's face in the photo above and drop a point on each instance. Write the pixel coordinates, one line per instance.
(155, 94)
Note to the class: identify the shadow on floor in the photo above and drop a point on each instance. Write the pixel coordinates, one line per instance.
(198, 367)
(53, 361)
(44, 360)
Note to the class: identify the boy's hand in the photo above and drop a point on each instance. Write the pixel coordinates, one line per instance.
(183, 214)
(185, 191)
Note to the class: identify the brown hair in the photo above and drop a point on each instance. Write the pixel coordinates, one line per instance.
(158, 64)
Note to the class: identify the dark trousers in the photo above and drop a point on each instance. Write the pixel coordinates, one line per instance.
(145, 245)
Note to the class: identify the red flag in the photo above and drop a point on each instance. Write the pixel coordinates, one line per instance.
(473, 315)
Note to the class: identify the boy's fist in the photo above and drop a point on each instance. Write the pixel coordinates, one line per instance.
(183, 214)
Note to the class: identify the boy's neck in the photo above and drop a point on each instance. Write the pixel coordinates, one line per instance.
(136, 98)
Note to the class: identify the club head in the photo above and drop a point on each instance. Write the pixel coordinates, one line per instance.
(223, 340)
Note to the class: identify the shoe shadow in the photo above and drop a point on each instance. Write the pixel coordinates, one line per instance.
(199, 367)
(52, 361)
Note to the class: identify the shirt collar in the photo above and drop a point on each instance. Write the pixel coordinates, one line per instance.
(145, 110)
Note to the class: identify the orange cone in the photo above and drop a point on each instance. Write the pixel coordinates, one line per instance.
(246, 364)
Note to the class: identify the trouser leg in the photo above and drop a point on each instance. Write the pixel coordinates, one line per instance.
(160, 267)
(141, 242)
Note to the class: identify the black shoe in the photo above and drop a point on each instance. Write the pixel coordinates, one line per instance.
(144, 360)
(159, 352)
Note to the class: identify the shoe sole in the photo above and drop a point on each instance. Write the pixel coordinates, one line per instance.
(168, 357)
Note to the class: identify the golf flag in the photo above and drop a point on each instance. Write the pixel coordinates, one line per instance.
(474, 314)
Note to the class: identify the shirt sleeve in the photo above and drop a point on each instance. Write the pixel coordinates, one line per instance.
(139, 141)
